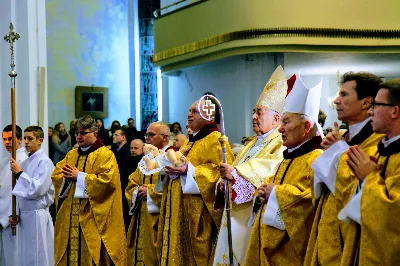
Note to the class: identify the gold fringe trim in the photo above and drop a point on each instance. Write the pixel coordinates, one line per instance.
(276, 32)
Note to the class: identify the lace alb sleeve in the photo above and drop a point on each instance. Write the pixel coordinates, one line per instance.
(244, 189)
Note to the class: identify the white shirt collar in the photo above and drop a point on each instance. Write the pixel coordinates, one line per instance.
(195, 133)
(165, 148)
(386, 141)
(295, 148)
(262, 137)
(356, 128)
(86, 148)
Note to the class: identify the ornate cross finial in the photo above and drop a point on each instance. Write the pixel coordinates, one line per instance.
(209, 109)
(11, 38)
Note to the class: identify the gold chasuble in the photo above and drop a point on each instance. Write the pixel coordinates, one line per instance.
(287, 246)
(380, 210)
(254, 164)
(142, 232)
(328, 235)
(188, 222)
(90, 231)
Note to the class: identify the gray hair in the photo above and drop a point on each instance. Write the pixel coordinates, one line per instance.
(314, 128)
(164, 128)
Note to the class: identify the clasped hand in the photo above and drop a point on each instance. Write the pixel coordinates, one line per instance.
(360, 163)
(178, 170)
(70, 173)
(264, 191)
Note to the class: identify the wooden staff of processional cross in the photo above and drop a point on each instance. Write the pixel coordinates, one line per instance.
(209, 108)
(11, 38)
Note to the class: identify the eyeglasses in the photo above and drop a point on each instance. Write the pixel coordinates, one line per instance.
(82, 133)
(151, 135)
(375, 104)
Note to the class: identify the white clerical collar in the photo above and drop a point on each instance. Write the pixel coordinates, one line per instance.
(85, 148)
(195, 133)
(356, 128)
(32, 155)
(295, 148)
(262, 137)
(386, 141)
(165, 148)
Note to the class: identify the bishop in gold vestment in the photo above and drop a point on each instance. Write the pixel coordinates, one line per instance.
(283, 205)
(285, 244)
(89, 227)
(258, 160)
(188, 221)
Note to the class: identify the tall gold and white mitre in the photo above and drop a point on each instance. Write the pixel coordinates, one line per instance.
(253, 164)
(274, 93)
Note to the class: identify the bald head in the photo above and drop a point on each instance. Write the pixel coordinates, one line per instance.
(157, 134)
(137, 147)
(179, 140)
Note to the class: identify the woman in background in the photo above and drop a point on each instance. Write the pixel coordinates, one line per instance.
(175, 129)
(103, 132)
(61, 142)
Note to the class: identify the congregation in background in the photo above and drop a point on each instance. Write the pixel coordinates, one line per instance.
(298, 194)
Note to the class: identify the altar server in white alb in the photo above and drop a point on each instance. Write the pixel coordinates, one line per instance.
(8, 242)
(35, 193)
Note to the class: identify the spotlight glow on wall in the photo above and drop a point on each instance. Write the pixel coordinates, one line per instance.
(159, 94)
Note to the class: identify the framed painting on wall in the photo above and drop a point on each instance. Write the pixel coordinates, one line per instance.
(90, 100)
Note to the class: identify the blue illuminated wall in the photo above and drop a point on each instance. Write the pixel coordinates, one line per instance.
(87, 43)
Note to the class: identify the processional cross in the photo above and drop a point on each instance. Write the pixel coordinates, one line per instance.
(11, 38)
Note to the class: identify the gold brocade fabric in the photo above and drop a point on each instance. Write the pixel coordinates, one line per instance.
(254, 169)
(100, 216)
(273, 95)
(380, 213)
(271, 246)
(188, 221)
(142, 232)
(328, 244)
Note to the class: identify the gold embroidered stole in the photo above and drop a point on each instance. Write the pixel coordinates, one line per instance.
(74, 233)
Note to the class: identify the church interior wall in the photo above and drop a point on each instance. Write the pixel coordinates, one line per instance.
(88, 44)
(236, 81)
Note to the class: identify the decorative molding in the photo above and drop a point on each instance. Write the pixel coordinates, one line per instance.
(277, 32)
